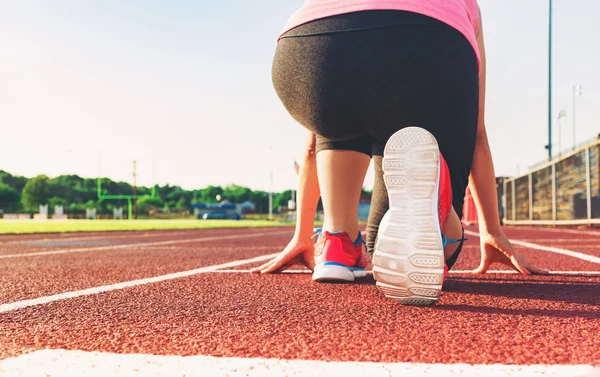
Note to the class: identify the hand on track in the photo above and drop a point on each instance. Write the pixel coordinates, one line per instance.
(496, 248)
(296, 252)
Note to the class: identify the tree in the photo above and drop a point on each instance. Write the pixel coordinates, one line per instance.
(56, 201)
(91, 204)
(182, 205)
(35, 193)
(9, 198)
(237, 194)
(147, 204)
(209, 194)
(77, 208)
(78, 193)
(175, 194)
(261, 201)
(14, 181)
(281, 200)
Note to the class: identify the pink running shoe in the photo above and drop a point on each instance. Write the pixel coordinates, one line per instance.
(338, 258)
(408, 262)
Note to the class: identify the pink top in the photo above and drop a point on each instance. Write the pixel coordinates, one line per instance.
(463, 15)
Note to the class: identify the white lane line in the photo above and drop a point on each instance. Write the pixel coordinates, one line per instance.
(107, 236)
(127, 284)
(553, 230)
(570, 253)
(565, 240)
(247, 271)
(489, 272)
(510, 272)
(204, 248)
(137, 245)
(79, 363)
(557, 230)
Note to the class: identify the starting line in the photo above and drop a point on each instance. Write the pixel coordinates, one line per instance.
(51, 363)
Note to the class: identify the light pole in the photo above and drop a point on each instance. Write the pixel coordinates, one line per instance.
(576, 93)
(549, 80)
(134, 190)
(562, 115)
(271, 186)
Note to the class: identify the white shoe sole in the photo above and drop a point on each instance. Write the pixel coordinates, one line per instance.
(408, 263)
(334, 273)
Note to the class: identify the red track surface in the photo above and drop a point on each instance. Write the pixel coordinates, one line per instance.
(494, 318)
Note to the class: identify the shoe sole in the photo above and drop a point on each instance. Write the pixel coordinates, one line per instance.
(336, 273)
(408, 263)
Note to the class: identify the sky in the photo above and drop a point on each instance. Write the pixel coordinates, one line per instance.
(184, 88)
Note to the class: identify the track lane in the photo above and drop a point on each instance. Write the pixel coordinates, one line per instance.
(22, 244)
(508, 319)
(28, 278)
(483, 320)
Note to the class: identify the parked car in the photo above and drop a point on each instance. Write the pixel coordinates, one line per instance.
(220, 215)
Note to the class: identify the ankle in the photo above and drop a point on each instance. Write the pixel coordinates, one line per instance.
(351, 229)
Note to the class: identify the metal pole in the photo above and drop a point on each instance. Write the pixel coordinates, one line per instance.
(129, 209)
(576, 93)
(154, 174)
(504, 199)
(554, 191)
(549, 80)
(562, 115)
(134, 190)
(514, 204)
(271, 188)
(271, 197)
(559, 133)
(574, 118)
(530, 179)
(588, 177)
(99, 173)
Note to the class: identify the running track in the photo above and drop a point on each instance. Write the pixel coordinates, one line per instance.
(181, 303)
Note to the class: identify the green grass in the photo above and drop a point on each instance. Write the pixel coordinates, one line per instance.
(49, 226)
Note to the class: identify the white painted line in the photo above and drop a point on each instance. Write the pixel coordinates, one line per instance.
(204, 248)
(79, 363)
(127, 284)
(570, 253)
(566, 240)
(144, 244)
(247, 271)
(106, 236)
(510, 272)
(489, 272)
(557, 230)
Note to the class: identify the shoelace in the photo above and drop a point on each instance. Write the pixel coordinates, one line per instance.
(446, 240)
(319, 232)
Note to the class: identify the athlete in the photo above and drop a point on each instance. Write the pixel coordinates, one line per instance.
(402, 81)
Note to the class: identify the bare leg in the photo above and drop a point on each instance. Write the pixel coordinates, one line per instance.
(341, 177)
